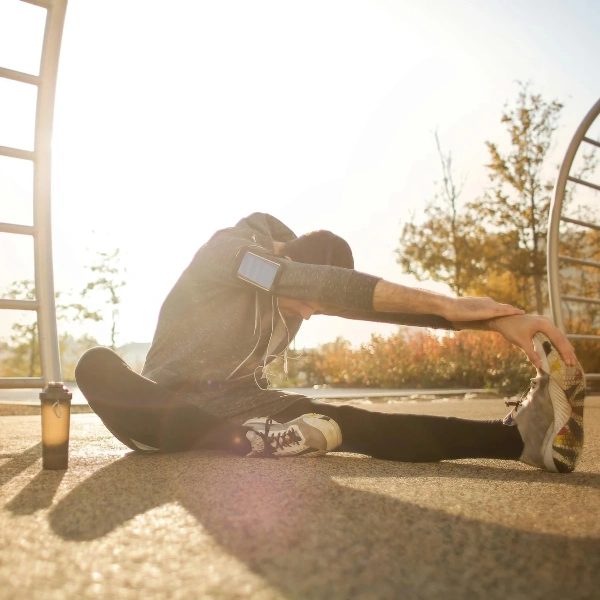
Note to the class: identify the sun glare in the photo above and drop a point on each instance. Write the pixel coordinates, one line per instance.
(172, 123)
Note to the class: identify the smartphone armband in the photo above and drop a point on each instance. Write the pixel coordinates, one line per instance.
(258, 271)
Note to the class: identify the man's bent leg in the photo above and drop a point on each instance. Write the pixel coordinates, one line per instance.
(412, 438)
(148, 417)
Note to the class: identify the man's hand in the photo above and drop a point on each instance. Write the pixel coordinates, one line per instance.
(519, 330)
(476, 309)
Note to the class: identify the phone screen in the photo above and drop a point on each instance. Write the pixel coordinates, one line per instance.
(258, 270)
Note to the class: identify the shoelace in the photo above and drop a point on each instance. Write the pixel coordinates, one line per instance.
(517, 403)
(281, 439)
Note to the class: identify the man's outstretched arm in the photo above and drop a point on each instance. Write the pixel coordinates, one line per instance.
(475, 313)
(393, 297)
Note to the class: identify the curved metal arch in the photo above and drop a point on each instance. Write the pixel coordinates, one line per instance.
(553, 257)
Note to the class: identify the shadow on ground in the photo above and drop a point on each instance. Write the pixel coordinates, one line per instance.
(308, 534)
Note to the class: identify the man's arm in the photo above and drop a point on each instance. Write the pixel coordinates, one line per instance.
(475, 313)
(520, 329)
(392, 297)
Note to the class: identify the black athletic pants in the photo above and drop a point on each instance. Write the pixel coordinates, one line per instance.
(137, 409)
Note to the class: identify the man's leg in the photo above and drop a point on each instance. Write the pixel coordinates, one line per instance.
(147, 417)
(412, 438)
(544, 429)
(550, 420)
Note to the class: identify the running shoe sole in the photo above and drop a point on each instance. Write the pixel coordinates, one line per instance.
(563, 442)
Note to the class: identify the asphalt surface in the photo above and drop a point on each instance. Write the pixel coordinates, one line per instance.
(208, 525)
(29, 397)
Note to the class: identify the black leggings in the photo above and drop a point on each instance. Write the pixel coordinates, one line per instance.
(141, 413)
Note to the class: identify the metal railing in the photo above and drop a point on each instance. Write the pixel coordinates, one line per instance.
(553, 257)
(41, 231)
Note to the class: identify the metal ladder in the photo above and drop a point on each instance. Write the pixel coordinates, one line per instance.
(41, 230)
(553, 257)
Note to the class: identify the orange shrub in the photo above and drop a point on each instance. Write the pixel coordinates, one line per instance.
(412, 358)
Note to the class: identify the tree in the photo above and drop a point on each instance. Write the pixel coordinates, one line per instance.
(496, 245)
(503, 274)
(109, 282)
(22, 349)
(518, 204)
(517, 208)
(445, 247)
(74, 312)
(71, 349)
(22, 356)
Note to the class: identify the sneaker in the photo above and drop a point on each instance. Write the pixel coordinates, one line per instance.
(550, 417)
(308, 435)
(258, 422)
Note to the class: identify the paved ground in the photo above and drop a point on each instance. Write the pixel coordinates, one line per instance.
(209, 525)
(31, 397)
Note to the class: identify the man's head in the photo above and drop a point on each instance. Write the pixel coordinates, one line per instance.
(320, 248)
(315, 248)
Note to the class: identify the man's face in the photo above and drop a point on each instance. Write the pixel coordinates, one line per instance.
(297, 308)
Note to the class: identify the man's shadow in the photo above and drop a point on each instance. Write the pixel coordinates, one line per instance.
(296, 524)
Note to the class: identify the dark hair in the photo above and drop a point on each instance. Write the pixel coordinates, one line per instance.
(320, 248)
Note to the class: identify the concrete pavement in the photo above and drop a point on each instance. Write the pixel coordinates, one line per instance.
(209, 525)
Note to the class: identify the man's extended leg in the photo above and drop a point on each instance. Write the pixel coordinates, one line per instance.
(413, 438)
(548, 431)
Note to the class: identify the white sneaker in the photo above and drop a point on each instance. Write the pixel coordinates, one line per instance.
(258, 422)
(550, 418)
(308, 435)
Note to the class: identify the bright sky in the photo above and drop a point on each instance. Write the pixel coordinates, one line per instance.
(176, 119)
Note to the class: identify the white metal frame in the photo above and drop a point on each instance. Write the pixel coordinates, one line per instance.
(41, 231)
(553, 257)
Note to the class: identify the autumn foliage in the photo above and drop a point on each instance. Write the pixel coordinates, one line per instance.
(419, 358)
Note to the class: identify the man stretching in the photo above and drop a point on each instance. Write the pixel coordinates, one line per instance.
(239, 304)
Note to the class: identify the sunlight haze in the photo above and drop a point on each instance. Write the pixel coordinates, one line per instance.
(176, 119)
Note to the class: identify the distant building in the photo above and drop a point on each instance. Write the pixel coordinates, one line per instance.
(134, 354)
